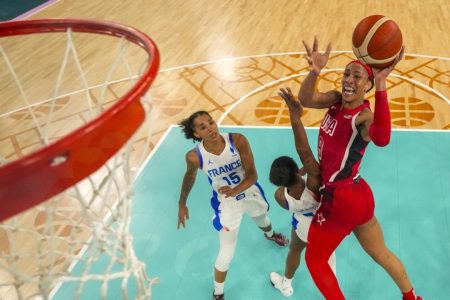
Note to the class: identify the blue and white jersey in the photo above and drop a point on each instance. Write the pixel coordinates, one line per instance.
(224, 169)
(306, 205)
(303, 211)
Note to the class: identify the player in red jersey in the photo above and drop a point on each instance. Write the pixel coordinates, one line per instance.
(297, 192)
(347, 202)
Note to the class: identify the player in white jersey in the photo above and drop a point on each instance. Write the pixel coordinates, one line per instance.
(296, 193)
(228, 162)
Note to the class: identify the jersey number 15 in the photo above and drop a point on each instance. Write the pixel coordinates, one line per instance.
(232, 178)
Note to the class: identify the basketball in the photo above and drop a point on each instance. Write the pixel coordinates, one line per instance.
(376, 41)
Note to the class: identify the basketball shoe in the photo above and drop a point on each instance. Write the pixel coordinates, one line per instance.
(278, 238)
(218, 297)
(280, 284)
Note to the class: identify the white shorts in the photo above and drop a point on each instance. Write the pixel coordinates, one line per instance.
(229, 211)
(301, 224)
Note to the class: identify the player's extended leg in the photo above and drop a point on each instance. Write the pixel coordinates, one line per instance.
(281, 283)
(370, 236)
(293, 258)
(227, 241)
(264, 223)
(321, 245)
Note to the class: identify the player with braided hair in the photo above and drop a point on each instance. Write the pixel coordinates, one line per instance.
(227, 160)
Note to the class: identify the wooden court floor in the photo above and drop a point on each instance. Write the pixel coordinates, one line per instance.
(231, 57)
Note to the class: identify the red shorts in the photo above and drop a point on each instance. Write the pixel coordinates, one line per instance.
(345, 206)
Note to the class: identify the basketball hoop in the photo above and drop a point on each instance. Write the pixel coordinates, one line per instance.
(82, 166)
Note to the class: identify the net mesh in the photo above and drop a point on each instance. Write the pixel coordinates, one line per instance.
(76, 244)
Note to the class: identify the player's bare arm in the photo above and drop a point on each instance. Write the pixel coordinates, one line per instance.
(280, 198)
(304, 151)
(248, 163)
(192, 164)
(308, 95)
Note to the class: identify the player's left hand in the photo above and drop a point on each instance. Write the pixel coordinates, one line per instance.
(183, 215)
(294, 105)
(227, 191)
(382, 74)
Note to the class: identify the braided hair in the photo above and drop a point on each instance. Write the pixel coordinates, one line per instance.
(187, 125)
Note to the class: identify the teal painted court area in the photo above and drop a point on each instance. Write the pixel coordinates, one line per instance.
(12, 9)
(409, 178)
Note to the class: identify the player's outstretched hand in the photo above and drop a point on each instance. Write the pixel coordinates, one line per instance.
(294, 105)
(183, 215)
(317, 61)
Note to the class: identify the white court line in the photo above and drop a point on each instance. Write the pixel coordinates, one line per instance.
(83, 250)
(229, 109)
(228, 59)
(271, 127)
(422, 85)
(35, 10)
(150, 155)
(323, 71)
(194, 65)
(317, 128)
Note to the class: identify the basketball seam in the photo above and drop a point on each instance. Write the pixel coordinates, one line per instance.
(371, 60)
(387, 42)
(371, 33)
(359, 56)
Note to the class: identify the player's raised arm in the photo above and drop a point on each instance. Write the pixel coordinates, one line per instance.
(308, 95)
(380, 126)
(310, 164)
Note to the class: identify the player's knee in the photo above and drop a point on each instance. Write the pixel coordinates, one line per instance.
(295, 248)
(223, 261)
(314, 261)
(310, 259)
(262, 221)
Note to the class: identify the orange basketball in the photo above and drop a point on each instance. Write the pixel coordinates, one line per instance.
(376, 41)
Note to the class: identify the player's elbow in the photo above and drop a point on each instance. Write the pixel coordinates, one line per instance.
(253, 177)
(380, 135)
(306, 101)
(382, 141)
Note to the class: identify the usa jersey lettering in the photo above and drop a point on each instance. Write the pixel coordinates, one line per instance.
(329, 125)
(341, 148)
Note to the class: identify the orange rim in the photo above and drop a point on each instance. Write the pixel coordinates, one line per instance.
(36, 177)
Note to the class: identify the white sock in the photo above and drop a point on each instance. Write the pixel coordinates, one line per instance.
(218, 287)
(287, 281)
(269, 233)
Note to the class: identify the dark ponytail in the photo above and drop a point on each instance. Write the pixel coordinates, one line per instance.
(187, 125)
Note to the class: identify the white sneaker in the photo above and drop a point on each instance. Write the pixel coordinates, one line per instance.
(280, 284)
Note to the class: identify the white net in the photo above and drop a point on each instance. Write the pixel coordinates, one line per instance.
(77, 245)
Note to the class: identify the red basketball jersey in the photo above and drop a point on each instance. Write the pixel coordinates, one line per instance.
(340, 146)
